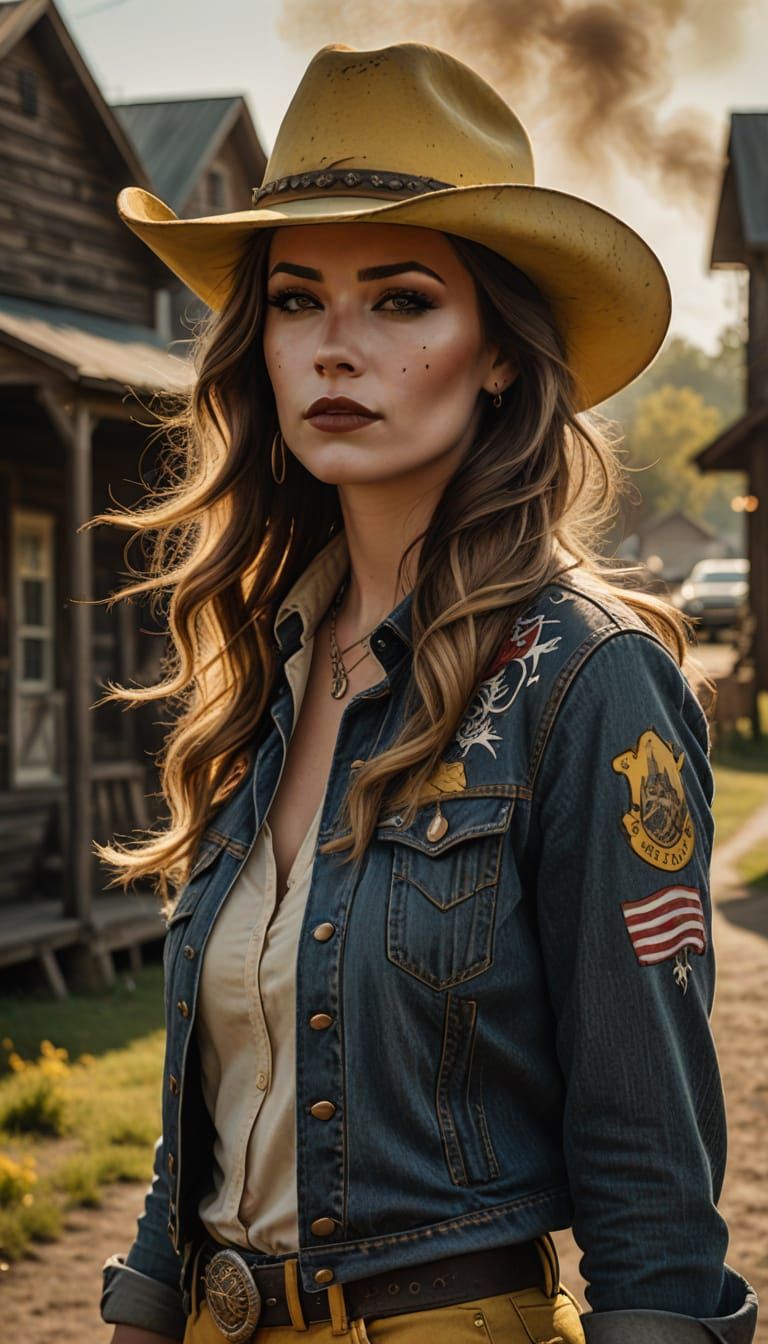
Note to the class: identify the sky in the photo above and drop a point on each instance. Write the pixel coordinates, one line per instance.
(139, 49)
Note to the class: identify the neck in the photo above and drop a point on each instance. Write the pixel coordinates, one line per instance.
(377, 537)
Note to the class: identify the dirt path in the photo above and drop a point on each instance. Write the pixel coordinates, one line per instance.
(53, 1297)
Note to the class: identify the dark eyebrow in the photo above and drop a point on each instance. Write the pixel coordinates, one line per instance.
(370, 272)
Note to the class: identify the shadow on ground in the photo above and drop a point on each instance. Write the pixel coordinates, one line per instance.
(748, 912)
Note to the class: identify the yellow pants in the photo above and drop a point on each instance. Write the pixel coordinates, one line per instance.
(530, 1316)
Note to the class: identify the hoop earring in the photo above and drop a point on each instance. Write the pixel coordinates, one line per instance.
(278, 479)
(497, 400)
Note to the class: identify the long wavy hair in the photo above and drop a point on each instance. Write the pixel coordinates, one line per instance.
(222, 544)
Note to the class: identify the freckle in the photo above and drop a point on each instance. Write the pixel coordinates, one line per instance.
(404, 370)
(426, 366)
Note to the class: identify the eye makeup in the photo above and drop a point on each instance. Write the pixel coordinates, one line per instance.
(418, 302)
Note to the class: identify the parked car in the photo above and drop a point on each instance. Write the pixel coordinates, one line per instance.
(716, 594)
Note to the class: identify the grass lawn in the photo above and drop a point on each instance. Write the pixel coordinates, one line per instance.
(741, 778)
(79, 1102)
(753, 866)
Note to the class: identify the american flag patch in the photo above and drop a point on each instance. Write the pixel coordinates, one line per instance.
(662, 924)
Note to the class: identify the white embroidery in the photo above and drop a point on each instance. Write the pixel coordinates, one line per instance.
(525, 647)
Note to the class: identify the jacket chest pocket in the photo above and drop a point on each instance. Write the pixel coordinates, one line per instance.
(441, 905)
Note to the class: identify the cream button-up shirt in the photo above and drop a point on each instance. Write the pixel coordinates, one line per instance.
(246, 1021)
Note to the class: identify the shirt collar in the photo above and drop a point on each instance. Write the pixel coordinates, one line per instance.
(309, 598)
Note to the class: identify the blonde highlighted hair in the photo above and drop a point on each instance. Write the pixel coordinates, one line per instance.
(224, 544)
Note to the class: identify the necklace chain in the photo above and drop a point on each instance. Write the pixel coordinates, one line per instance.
(340, 673)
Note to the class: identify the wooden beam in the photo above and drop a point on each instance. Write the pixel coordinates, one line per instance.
(59, 416)
(80, 753)
(757, 549)
(56, 981)
(19, 22)
(757, 340)
(112, 407)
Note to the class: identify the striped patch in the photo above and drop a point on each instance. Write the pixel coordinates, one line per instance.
(662, 924)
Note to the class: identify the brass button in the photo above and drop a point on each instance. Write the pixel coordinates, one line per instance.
(323, 1275)
(183, 1007)
(319, 1021)
(323, 932)
(322, 1227)
(261, 1081)
(171, 1163)
(173, 1084)
(322, 1110)
(189, 952)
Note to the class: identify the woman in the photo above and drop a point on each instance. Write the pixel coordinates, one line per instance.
(439, 965)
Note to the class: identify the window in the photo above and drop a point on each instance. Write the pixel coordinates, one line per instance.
(216, 188)
(28, 92)
(35, 704)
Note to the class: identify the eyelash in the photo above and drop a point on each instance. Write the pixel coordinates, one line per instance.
(421, 304)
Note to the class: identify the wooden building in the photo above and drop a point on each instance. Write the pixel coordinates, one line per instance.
(86, 313)
(673, 542)
(204, 156)
(741, 239)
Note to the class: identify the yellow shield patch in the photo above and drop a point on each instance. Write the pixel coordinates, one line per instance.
(658, 824)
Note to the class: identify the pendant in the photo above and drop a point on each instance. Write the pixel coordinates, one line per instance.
(339, 684)
(437, 826)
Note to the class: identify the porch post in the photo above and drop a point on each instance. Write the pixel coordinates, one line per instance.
(80, 567)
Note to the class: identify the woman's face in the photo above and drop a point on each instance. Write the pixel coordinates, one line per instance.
(386, 315)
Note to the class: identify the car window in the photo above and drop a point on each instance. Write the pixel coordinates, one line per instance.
(720, 576)
(723, 575)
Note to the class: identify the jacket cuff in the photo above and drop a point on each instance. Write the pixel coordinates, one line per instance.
(668, 1327)
(132, 1298)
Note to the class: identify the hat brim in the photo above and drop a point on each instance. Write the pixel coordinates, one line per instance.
(608, 290)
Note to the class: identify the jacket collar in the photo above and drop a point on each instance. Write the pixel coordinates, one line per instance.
(308, 600)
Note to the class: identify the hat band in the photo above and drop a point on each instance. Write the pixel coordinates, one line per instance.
(353, 182)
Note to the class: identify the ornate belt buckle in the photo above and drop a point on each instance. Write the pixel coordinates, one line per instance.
(233, 1299)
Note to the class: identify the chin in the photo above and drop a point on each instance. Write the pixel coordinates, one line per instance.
(347, 464)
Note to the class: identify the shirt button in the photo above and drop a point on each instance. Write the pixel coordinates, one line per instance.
(189, 952)
(173, 1084)
(323, 932)
(261, 1081)
(322, 1227)
(323, 1275)
(319, 1021)
(322, 1110)
(183, 1007)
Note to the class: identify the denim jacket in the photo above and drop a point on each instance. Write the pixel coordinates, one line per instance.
(519, 983)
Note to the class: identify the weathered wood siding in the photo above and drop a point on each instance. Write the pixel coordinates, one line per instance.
(230, 160)
(61, 239)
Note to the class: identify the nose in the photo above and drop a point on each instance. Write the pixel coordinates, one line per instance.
(336, 349)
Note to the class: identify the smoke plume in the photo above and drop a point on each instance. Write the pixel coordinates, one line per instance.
(591, 77)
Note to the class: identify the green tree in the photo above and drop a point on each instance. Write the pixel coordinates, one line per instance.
(668, 426)
(665, 417)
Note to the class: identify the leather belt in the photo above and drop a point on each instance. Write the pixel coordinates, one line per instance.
(243, 1294)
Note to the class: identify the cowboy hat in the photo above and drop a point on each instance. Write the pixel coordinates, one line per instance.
(409, 134)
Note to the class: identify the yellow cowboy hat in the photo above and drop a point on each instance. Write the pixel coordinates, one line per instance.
(408, 134)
